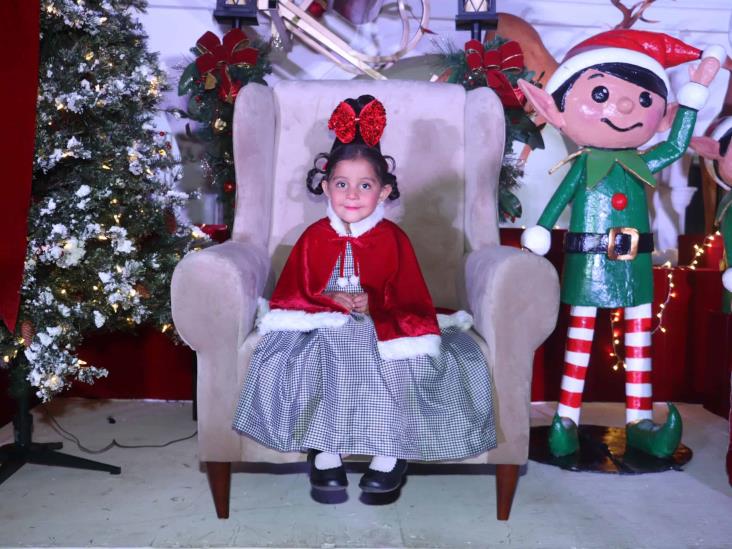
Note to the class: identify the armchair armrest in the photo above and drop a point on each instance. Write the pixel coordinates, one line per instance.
(512, 293)
(514, 298)
(214, 299)
(214, 294)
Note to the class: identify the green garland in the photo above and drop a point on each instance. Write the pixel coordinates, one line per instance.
(211, 105)
(519, 126)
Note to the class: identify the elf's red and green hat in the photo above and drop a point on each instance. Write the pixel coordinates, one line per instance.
(654, 51)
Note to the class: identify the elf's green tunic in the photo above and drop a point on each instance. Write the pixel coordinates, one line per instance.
(724, 220)
(593, 279)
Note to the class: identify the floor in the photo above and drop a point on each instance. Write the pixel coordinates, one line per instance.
(162, 499)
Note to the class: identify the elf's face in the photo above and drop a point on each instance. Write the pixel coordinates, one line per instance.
(601, 110)
(354, 190)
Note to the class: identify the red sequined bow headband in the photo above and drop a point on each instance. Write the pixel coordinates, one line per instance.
(371, 122)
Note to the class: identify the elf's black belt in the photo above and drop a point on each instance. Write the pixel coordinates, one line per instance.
(620, 243)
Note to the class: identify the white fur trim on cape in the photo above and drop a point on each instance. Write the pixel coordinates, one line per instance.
(408, 347)
(588, 58)
(358, 228)
(459, 319)
(693, 95)
(272, 320)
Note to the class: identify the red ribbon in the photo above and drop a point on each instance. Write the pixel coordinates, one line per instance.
(218, 56)
(493, 63)
(371, 122)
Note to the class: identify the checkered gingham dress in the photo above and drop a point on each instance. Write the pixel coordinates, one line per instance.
(329, 389)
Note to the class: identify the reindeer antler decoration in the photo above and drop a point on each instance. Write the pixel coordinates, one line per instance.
(633, 13)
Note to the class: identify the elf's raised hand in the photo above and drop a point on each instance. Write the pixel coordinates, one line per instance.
(705, 71)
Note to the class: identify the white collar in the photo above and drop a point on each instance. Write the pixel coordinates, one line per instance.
(358, 228)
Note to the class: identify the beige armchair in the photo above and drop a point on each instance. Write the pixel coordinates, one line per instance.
(448, 146)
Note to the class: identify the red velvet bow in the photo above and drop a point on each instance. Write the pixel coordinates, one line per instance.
(217, 56)
(371, 122)
(492, 63)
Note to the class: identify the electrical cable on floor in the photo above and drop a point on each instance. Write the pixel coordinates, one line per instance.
(56, 426)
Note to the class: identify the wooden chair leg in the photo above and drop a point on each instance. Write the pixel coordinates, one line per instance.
(219, 480)
(506, 480)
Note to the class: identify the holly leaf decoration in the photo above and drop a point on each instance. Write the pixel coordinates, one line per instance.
(187, 79)
(510, 205)
(522, 128)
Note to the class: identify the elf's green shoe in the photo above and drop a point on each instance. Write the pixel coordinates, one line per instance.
(658, 440)
(563, 438)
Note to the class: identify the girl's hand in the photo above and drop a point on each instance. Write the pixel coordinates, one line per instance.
(343, 299)
(361, 302)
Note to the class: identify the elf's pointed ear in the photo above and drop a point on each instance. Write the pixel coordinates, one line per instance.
(706, 147)
(668, 118)
(543, 103)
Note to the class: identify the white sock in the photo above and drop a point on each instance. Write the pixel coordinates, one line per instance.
(383, 463)
(324, 460)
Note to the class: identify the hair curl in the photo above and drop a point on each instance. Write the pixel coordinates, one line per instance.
(325, 163)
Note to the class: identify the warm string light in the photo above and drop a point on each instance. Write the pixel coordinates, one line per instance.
(670, 293)
(615, 317)
(699, 251)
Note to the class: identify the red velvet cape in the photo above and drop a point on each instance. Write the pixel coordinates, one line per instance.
(399, 302)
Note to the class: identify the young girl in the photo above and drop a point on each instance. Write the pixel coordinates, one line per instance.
(352, 360)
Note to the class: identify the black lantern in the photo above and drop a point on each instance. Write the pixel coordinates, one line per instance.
(238, 12)
(476, 15)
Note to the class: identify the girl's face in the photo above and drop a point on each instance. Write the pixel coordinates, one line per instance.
(601, 110)
(354, 190)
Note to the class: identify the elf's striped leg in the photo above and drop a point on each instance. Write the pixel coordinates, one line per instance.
(638, 388)
(641, 433)
(576, 359)
(563, 437)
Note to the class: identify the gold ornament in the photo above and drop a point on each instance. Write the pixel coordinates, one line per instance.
(219, 125)
(210, 81)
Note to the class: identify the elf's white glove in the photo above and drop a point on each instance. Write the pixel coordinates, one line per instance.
(537, 239)
(727, 280)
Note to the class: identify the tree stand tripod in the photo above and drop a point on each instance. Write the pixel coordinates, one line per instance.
(23, 450)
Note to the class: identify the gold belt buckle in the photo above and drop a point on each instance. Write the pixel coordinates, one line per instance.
(613, 233)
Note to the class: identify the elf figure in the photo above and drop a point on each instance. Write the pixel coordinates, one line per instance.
(717, 156)
(609, 96)
(716, 153)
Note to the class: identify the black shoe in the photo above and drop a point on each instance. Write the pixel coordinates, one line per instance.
(378, 482)
(326, 479)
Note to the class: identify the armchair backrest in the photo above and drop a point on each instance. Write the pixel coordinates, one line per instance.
(448, 147)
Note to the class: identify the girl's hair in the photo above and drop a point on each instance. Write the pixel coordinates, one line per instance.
(325, 163)
(630, 73)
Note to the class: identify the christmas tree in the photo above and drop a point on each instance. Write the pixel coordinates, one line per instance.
(103, 235)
